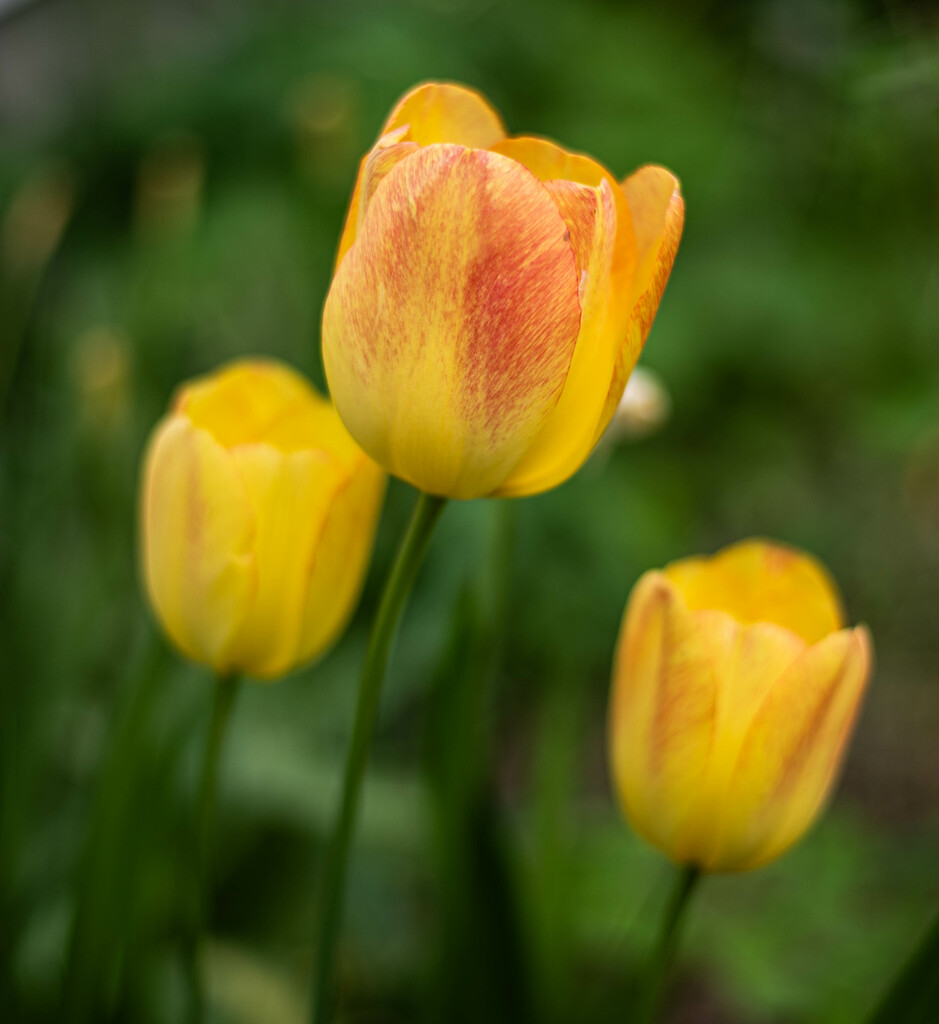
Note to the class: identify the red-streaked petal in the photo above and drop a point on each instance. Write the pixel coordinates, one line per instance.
(606, 253)
(658, 215)
(549, 161)
(388, 151)
(449, 328)
(429, 113)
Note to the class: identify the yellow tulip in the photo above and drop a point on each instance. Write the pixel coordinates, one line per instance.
(491, 298)
(258, 513)
(735, 691)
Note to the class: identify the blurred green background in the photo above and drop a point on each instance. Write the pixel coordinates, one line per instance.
(173, 178)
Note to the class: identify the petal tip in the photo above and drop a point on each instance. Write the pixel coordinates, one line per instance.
(443, 111)
(864, 646)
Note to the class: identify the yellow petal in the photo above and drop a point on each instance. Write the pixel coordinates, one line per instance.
(758, 581)
(198, 540)
(446, 112)
(445, 365)
(258, 401)
(665, 691)
(754, 659)
(291, 495)
(388, 151)
(429, 113)
(687, 686)
(243, 485)
(607, 258)
(351, 227)
(727, 729)
(793, 750)
(658, 215)
(341, 558)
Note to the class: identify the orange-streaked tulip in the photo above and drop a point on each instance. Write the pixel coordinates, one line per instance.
(258, 513)
(735, 690)
(491, 298)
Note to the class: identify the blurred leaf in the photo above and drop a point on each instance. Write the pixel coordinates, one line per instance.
(914, 997)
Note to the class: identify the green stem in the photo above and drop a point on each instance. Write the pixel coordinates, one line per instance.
(223, 699)
(226, 689)
(659, 965)
(332, 889)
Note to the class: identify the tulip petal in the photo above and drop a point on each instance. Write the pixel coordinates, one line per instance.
(549, 162)
(759, 581)
(465, 340)
(668, 667)
(388, 152)
(351, 227)
(793, 750)
(445, 112)
(687, 687)
(726, 731)
(262, 401)
(292, 495)
(341, 557)
(658, 215)
(596, 211)
(751, 664)
(430, 113)
(591, 220)
(567, 437)
(198, 540)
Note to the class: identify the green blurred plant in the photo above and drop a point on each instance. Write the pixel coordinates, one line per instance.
(798, 343)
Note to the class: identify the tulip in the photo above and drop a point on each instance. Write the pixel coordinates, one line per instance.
(490, 299)
(735, 690)
(258, 515)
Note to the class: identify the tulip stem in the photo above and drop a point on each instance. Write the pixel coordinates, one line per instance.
(332, 887)
(223, 699)
(657, 971)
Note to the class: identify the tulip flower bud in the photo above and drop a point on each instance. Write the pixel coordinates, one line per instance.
(735, 690)
(491, 298)
(258, 513)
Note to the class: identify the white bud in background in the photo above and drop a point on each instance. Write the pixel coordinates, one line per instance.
(643, 409)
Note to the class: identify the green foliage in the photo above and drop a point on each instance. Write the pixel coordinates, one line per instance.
(493, 877)
(914, 997)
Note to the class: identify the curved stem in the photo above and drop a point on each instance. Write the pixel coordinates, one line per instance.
(651, 989)
(332, 889)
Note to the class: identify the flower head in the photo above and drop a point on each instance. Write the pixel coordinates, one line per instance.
(491, 298)
(735, 690)
(258, 513)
